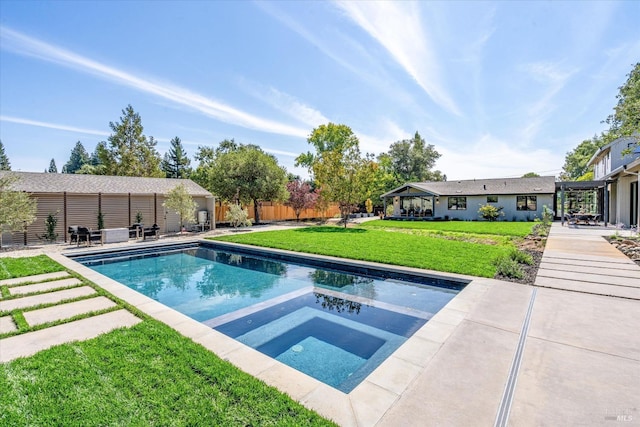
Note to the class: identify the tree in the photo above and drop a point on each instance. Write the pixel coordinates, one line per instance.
(301, 196)
(412, 160)
(95, 165)
(575, 163)
(17, 208)
(339, 170)
(176, 162)
(52, 167)
(245, 174)
(625, 120)
(130, 152)
(180, 201)
(79, 157)
(530, 175)
(4, 160)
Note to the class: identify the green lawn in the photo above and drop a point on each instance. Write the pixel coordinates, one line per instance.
(20, 267)
(145, 375)
(516, 229)
(444, 253)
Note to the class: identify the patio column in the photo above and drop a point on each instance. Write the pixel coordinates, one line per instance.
(562, 204)
(384, 209)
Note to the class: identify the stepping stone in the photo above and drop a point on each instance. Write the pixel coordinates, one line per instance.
(46, 286)
(36, 278)
(7, 325)
(66, 311)
(50, 298)
(32, 342)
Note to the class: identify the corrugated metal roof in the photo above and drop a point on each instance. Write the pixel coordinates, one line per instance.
(478, 187)
(39, 182)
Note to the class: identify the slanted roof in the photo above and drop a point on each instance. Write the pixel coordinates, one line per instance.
(479, 187)
(39, 182)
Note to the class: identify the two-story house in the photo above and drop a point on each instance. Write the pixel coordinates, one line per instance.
(620, 171)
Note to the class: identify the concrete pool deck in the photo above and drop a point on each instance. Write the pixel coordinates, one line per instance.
(564, 352)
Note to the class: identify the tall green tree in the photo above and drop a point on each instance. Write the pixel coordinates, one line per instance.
(244, 174)
(17, 208)
(412, 160)
(176, 163)
(52, 167)
(79, 157)
(180, 201)
(530, 175)
(625, 120)
(341, 173)
(575, 166)
(129, 152)
(4, 160)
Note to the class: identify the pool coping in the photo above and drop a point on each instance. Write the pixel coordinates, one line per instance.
(367, 403)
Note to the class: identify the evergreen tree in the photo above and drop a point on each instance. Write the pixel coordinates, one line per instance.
(4, 160)
(130, 152)
(176, 162)
(79, 157)
(413, 159)
(52, 167)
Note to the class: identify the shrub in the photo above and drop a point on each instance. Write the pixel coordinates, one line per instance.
(237, 216)
(521, 257)
(507, 267)
(490, 212)
(50, 223)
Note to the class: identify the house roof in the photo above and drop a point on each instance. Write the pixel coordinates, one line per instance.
(39, 182)
(478, 187)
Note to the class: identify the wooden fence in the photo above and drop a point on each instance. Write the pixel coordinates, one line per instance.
(271, 211)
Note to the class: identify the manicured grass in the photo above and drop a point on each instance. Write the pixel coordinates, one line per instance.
(147, 375)
(516, 229)
(412, 250)
(20, 267)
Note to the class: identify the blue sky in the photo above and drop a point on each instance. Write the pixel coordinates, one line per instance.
(500, 88)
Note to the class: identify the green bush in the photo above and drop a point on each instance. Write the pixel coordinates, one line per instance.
(521, 257)
(490, 212)
(507, 267)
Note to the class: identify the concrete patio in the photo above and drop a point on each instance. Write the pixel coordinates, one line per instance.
(563, 352)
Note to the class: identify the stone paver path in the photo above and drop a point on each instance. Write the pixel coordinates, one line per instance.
(51, 290)
(46, 286)
(34, 279)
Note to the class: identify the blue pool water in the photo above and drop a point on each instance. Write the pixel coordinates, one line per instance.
(332, 325)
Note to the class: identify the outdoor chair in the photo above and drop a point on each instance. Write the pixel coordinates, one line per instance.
(153, 231)
(135, 231)
(88, 236)
(73, 234)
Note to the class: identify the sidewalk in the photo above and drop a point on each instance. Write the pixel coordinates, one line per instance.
(560, 353)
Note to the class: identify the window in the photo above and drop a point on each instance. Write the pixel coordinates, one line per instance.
(492, 199)
(527, 203)
(457, 203)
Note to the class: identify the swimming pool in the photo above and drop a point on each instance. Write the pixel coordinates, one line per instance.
(336, 324)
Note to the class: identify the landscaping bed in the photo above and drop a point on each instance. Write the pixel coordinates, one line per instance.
(630, 246)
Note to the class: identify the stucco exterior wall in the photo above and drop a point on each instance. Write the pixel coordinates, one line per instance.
(507, 202)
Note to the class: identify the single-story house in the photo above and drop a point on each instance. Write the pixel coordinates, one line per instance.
(618, 165)
(77, 200)
(521, 199)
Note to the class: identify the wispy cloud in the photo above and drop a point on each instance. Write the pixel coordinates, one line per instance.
(398, 28)
(285, 103)
(29, 122)
(24, 45)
